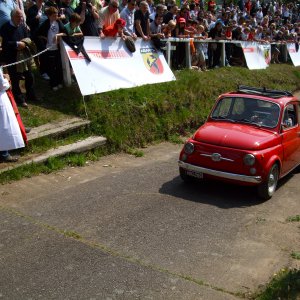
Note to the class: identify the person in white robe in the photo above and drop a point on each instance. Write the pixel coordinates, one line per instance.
(10, 133)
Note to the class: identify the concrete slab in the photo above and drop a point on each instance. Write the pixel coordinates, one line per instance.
(77, 147)
(38, 262)
(139, 208)
(57, 128)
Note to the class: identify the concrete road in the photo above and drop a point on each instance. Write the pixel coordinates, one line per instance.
(129, 228)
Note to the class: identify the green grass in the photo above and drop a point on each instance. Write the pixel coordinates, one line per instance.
(138, 116)
(54, 164)
(135, 152)
(295, 218)
(295, 255)
(284, 286)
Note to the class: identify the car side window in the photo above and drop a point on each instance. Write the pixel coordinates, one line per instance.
(289, 116)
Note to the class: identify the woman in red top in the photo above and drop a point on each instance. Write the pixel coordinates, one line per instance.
(248, 6)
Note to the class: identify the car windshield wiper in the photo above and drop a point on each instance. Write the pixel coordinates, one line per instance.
(224, 118)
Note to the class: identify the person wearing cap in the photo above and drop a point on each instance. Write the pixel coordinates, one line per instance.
(179, 55)
(116, 29)
(180, 28)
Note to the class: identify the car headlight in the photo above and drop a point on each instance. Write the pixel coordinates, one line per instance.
(249, 159)
(189, 148)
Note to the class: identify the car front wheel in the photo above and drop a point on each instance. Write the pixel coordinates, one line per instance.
(267, 189)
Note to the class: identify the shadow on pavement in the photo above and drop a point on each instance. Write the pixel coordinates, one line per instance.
(215, 193)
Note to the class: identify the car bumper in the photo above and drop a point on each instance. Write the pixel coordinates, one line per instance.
(220, 174)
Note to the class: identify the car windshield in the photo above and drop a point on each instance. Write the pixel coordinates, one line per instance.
(247, 110)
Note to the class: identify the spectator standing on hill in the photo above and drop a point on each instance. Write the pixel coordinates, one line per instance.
(127, 14)
(5, 9)
(259, 15)
(211, 6)
(151, 6)
(73, 26)
(159, 10)
(179, 55)
(52, 3)
(50, 31)
(184, 12)
(214, 49)
(201, 48)
(66, 10)
(169, 29)
(171, 14)
(156, 31)
(89, 17)
(108, 15)
(141, 21)
(13, 34)
(122, 5)
(35, 17)
(241, 4)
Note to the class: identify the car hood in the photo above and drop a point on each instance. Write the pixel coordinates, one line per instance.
(238, 136)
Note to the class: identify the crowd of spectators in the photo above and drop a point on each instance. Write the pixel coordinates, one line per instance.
(37, 25)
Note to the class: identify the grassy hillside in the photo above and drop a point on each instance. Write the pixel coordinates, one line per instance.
(135, 117)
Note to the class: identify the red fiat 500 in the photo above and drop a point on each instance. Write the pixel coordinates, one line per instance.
(251, 137)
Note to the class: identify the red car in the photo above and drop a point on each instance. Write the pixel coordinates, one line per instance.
(251, 137)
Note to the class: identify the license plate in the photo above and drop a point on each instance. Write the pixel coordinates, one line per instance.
(195, 174)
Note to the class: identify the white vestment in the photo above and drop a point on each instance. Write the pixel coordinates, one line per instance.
(10, 133)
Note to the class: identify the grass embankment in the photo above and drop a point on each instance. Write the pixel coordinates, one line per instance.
(133, 118)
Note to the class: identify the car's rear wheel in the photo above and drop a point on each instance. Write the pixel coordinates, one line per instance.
(267, 189)
(184, 176)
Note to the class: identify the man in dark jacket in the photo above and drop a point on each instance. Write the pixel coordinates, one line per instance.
(12, 33)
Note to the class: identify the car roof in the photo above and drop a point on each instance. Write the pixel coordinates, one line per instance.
(277, 96)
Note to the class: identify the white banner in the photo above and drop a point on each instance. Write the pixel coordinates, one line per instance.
(257, 56)
(294, 53)
(113, 66)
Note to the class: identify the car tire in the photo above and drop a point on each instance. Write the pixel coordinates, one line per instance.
(184, 176)
(267, 189)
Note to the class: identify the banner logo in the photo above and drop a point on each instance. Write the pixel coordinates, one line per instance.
(152, 60)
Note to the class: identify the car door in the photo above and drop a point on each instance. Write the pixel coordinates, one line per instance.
(290, 137)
